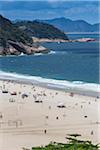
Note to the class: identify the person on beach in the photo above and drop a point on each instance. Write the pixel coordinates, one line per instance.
(1, 115)
(49, 107)
(92, 132)
(45, 131)
(57, 117)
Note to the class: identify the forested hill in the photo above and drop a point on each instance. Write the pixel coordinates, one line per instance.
(24, 30)
(14, 41)
(41, 30)
(16, 38)
(9, 31)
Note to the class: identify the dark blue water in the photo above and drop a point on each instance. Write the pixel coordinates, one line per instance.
(78, 36)
(67, 61)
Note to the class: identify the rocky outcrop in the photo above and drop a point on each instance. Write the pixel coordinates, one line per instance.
(85, 40)
(16, 48)
(14, 41)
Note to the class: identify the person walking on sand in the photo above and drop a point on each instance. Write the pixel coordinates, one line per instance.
(92, 132)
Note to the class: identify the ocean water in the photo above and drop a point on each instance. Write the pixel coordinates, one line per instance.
(78, 36)
(73, 62)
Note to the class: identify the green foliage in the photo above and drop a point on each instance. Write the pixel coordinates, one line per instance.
(9, 31)
(24, 30)
(41, 30)
(73, 144)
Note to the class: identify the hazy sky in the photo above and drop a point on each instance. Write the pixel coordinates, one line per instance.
(48, 9)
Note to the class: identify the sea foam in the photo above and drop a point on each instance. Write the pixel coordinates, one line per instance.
(76, 86)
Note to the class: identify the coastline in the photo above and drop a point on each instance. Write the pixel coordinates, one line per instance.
(77, 87)
(42, 40)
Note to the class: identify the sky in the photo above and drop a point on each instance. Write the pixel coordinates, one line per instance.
(87, 10)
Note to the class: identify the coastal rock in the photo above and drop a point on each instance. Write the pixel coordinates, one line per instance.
(16, 48)
(14, 41)
(13, 51)
(85, 40)
(9, 51)
(28, 49)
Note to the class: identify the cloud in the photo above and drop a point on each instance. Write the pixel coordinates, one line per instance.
(47, 9)
(30, 15)
(90, 13)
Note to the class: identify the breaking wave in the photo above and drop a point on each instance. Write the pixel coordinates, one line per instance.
(76, 86)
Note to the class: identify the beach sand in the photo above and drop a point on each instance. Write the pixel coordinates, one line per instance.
(30, 115)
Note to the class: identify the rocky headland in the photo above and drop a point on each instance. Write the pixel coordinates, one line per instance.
(26, 37)
(16, 38)
(14, 41)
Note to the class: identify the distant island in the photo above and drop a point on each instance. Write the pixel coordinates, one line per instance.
(77, 26)
(16, 38)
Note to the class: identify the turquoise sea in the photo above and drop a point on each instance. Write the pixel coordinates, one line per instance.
(66, 61)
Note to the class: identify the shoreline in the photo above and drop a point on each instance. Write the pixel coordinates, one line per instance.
(80, 40)
(86, 89)
(67, 90)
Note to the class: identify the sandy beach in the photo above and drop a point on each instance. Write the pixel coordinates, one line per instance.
(31, 115)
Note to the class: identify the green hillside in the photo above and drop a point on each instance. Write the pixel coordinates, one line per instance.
(41, 30)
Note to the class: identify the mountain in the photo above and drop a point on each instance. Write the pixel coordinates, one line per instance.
(13, 41)
(41, 30)
(68, 25)
(8, 31)
(16, 38)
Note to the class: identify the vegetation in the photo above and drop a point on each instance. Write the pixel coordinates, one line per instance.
(41, 30)
(14, 40)
(8, 31)
(23, 31)
(73, 144)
